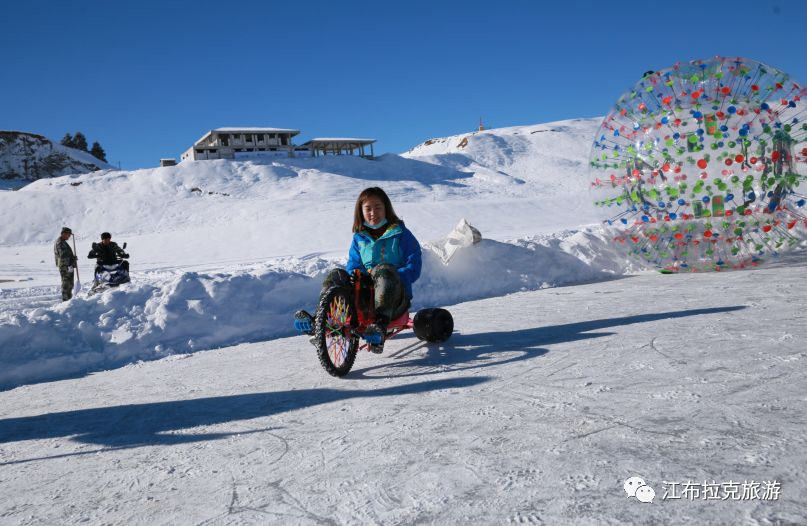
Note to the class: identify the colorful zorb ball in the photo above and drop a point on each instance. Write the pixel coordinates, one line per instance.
(699, 165)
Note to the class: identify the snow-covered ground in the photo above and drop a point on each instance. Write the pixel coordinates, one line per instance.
(535, 412)
(184, 397)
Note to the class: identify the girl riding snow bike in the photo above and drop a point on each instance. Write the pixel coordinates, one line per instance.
(371, 298)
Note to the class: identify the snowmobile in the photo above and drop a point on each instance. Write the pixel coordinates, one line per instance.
(110, 275)
(343, 316)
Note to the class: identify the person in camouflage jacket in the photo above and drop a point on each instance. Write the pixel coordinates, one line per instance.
(65, 262)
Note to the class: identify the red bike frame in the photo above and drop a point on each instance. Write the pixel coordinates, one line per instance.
(363, 298)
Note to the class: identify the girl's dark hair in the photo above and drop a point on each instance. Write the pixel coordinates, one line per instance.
(373, 191)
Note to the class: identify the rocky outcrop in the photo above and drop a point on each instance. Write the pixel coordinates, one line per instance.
(29, 156)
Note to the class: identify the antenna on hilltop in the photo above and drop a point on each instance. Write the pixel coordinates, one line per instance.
(481, 125)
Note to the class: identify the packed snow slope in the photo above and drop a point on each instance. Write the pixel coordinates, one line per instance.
(26, 157)
(536, 411)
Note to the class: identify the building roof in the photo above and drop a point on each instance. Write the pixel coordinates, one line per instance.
(258, 130)
(290, 131)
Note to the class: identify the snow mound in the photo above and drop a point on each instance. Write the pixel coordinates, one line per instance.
(149, 320)
(164, 314)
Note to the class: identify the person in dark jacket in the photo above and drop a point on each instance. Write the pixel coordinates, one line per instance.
(387, 252)
(66, 262)
(107, 252)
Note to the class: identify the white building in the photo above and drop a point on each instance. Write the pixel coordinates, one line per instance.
(242, 143)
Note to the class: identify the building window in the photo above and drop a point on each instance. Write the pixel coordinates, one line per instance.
(225, 140)
(249, 138)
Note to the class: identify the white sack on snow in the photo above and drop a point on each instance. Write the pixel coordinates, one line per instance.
(464, 235)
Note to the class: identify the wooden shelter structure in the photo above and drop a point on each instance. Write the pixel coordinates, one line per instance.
(339, 146)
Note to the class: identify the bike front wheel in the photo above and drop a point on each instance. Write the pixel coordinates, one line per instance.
(333, 331)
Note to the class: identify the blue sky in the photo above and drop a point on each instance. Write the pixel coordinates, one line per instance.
(147, 79)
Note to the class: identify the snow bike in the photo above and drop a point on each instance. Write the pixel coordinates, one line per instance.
(110, 275)
(344, 314)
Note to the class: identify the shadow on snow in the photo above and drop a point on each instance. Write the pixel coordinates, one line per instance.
(161, 423)
(475, 351)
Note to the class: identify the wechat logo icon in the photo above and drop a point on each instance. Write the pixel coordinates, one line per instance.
(636, 487)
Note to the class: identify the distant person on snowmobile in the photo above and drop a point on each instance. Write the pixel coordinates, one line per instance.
(385, 250)
(107, 252)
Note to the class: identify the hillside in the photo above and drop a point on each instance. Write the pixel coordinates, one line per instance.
(544, 155)
(547, 162)
(26, 157)
(532, 179)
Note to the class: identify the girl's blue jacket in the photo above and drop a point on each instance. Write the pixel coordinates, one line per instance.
(397, 247)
